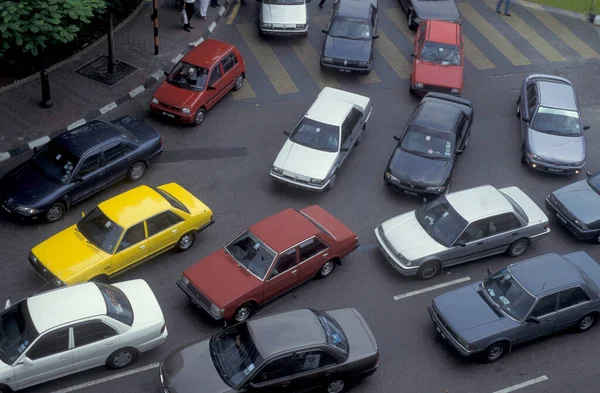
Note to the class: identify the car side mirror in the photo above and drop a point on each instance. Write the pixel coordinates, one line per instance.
(325, 31)
(533, 319)
(252, 385)
(585, 128)
(82, 214)
(376, 36)
(27, 361)
(286, 133)
(458, 152)
(526, 119)
(166, 73)
(7, 304)
(344, 149)
(211, 87)
(460, 244)
(36, 149)
(396, 137)
(588, 174)
(414, 55)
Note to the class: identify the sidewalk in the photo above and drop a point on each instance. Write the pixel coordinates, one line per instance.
(77, 98)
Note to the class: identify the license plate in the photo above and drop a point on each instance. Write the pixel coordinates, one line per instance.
(411, 193)
(342, 70)
(561, 218)
(556, 170)
(168, 115)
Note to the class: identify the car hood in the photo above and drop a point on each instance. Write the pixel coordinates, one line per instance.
(556, 148)
(437, 10)
(221, 278)
(407, 237)
(468, 314)
(25, 186)
(191, 369)
(419, 170)
(438, 75)
(176, 96)
(145, 307)
(305, 161)
(581, 200)
(344, 48)
(64, 265)
(282, 13)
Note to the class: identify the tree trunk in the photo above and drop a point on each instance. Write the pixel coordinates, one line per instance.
(109, 39)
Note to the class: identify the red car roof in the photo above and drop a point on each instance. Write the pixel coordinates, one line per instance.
(443, 32)
(207, 53)
(284, 229)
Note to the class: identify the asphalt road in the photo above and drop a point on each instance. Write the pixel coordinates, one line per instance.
(225, 162)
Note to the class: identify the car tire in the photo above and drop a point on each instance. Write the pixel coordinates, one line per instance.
(121, 358)
(586, 323)
(336, 386)
(495, 351)
(185, 242)
(200, 115)
(136, 171)
(239, 83)
(332, 181)
(598, 238)
(523, 158)
(243, 312)
(411, 22)
(326, 269)
(429, 270)
(102, 278)
(518, 248)
(519, 107)
(5, 389)
(55, 213)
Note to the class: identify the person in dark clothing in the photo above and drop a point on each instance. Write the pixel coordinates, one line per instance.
(189, 11)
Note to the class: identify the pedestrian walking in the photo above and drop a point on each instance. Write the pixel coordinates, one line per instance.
(203, 8)
(506, 7)
(214, 3)
(189, 8)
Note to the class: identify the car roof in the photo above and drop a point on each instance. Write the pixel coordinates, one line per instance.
(207, 53)
(545, 274)
(286, 331)
(443, 32)
(328, 110)
(85, 137)
(437, 115)
(284, 229)
(555, 94)
(479, 202)
(65, 305)
(354, 9)
(133, 206)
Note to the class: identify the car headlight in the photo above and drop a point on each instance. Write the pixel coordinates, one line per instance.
(277, 170)
(216, 310)
(535, 157)
(301, 26)
(154, 100)
(266, 25)
(455, 91)
(327, 60)
(26, 210)
(391, 177)
(436, 189)
(184, 280)
(418, 85)
(580, 163)
(316, 181)
(32, 258)
(364, 63)
(186, 111)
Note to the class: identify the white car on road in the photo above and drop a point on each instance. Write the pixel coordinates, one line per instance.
(322, 140)
(283, 17)
(74, 328)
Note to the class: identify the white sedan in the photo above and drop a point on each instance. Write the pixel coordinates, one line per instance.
(75, 328)
(322, 140)
(283, 17)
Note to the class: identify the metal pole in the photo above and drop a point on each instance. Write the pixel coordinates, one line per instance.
(154, 18)
(46, 101)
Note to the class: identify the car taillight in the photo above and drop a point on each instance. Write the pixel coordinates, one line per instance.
(162, 329)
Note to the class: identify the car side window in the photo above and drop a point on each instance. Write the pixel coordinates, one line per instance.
(286, 261)
(278, 368)
(513, 222)
(349, 124)
(545, 306)
(460, 127)
(229, 62)
(115, 152)
(49, 344)
(499, 224)
(162, 221)
(310, 248)
(531, 97)
(311, 360)
(571, 297)
(215, 75)
(475, 231)
(134, 235)
(92, 331)
(90, 164)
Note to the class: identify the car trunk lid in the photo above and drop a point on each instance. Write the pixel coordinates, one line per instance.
(322, 218)
(193, 204)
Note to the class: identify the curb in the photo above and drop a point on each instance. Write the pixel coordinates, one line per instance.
(152, 80)
(554, 10)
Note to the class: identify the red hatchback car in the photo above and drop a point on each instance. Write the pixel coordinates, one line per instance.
(199, 81)
(437, 59)
(267, 260)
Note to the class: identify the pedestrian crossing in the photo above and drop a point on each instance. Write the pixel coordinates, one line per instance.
(532, 40)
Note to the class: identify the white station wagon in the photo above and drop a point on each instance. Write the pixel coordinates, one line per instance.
(322, 140)
(74, 328)
(283, 17)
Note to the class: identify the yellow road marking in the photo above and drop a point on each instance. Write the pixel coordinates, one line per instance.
(234, 12)
(398, 17)
(267, 59)
(494, 36)
(393, 56)
(245, 92)
(540, 44)
(475, 56)
(564, 34)
(310, 58)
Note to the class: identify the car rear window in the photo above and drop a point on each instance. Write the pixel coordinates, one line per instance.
(316, 223)
(172, 200)
(117, 304)
(333, 332)
(517, 208)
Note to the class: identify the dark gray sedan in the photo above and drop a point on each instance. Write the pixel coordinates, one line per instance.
(289, 352)
(521, 302)
(418, 11)
(551, 130)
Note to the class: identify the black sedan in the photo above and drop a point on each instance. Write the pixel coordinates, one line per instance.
(419, 10)
(77, 164)
(290, 352)
(577, 207)
(352, 28)
(437, 132)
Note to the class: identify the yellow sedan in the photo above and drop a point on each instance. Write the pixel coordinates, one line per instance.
(122, 232)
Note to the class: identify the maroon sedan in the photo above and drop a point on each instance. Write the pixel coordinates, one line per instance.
(266, 260)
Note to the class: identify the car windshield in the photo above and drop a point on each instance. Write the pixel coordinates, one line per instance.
(333, 332)
(508, 294)
(17, 332)
(427, 143)
(316, 135)
(234, 354)
(557, 122)
(188, 76)
(252, 253)
(100, 230)
(55, 163)
(441, 221)
(351, 28)
(443, 54)
(117, 304)
(284, 2)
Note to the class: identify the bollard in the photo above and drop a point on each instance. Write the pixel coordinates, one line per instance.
(46, 101)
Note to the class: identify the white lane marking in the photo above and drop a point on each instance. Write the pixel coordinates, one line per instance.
(137, 91)
(4, 156)
(196, 43)
(221, 11)
(212, 27)
(78, 123)
(158, 74)
(433, 288)
(38, 142)
(108, 107)
(523, 384)
(106, 379)
(177, 58)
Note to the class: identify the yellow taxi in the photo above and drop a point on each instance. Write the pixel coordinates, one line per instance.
(122, 232)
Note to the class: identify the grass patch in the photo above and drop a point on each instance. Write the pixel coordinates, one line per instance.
(581, 6)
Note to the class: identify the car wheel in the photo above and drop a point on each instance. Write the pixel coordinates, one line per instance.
(429, 270)
(200, 115)
(186, 241)
(336, 386)
(518, 248)
(121, 358)
(411, 22)
(332, 181)
(523, 158)
(598, 238)
(326, 269)
(244, 312)
(102, 278)
(586, 323)
(495, 352)
(136, 171)
(519, 107)
(5, 389)
(239, 83)
(55, 213)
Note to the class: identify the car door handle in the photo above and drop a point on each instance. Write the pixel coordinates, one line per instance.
(174, 230)
(325, 254)
(480, 243)
(110, 343)
(102, 173)
(142, 247)
(285, 384)
(328, 374)
(584, 308)
(515, 234)
(550, 319)
(294, 271)
(65, 357)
